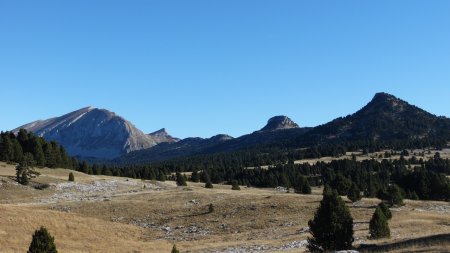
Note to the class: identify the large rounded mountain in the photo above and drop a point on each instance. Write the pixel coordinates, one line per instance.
(95, 133)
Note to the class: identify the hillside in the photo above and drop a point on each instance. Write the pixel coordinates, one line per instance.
(114, 214)
(386, 120)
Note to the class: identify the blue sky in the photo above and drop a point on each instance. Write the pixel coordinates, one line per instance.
(199, 68)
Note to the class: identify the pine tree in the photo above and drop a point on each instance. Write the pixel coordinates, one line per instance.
(50, 160)
(302, 185)
(42, 242)
(180, 179)
(306, 188)
(84, 167)
(25, 170)
(394, 195)
(332, 225)
(209, 185)
(379, 227)
(38, 152)
(195, 177)
(106, 171)
(354, 194)
(235, 186)
(174, 249)
(71, 177)
(385, 209)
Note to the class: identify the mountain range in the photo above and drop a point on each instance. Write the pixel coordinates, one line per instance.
(101, 134)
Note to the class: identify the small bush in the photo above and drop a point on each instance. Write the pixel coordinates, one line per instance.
(41, 186)
(180, 179)
(42, 242)
(235, 186)
(71, 177)
(174, 249)
(209, 185)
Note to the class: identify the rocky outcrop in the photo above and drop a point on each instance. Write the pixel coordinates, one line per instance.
(161, 136)
(279, 123)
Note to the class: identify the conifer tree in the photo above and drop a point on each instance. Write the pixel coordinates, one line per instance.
(38, 152)
(385, 209)
(25, 170)
(180, 179)
(332, 225)
(84, 167)
(394, 195)
(174, 249)
(71, 177)
(209, 185)
(302, 185)
(235, 186)
(379, 227)
(195, 177)
(354, 194)
(42, 242)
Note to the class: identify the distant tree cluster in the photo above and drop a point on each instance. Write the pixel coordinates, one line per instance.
(49, 154)
(390, 179)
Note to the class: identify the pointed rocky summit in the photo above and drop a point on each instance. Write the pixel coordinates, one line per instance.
(279, 123)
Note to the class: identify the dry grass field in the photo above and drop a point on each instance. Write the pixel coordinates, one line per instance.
(109, 214)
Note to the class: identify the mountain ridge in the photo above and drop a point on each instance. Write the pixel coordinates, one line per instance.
(385, 118)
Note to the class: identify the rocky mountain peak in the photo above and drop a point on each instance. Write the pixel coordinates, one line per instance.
(161, 136)
(278, 123)
(94, 133)
(386, 103)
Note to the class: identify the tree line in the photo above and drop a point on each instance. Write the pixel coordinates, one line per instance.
(413, 178)
(14, 148)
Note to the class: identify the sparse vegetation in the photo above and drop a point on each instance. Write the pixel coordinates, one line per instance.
(118, 224)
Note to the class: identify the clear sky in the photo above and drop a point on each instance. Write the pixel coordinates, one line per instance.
(199, 68)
